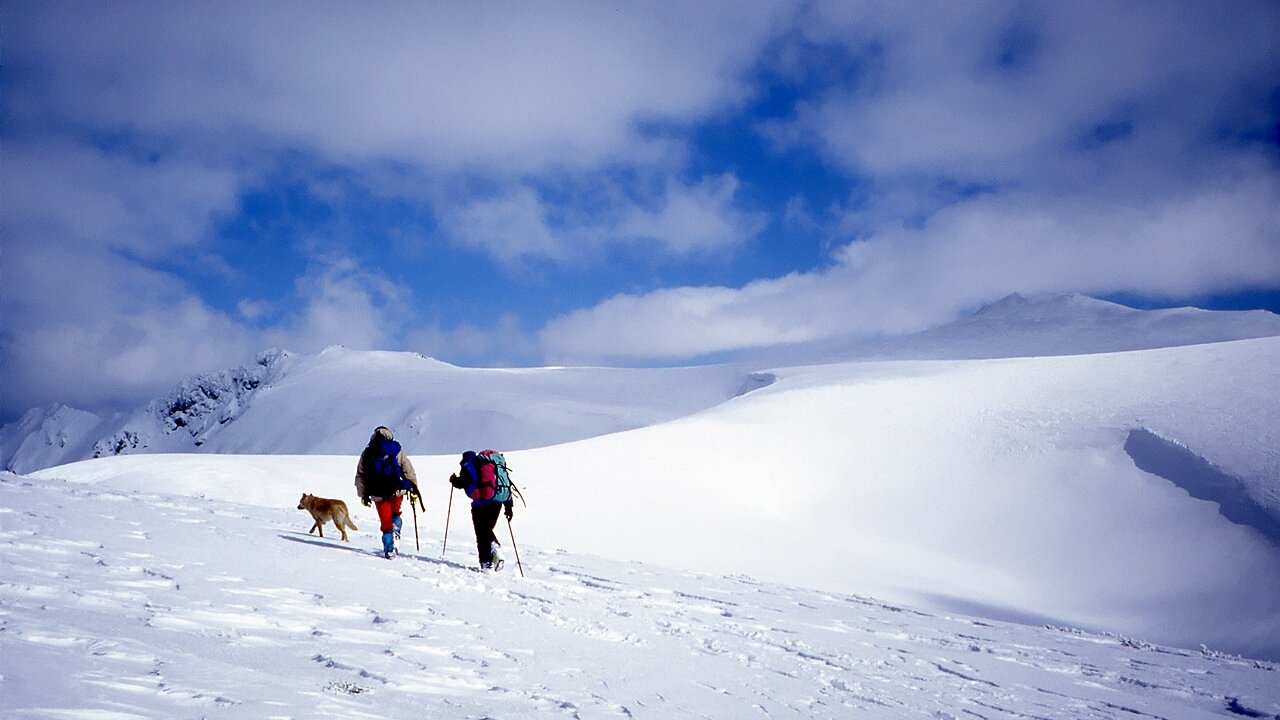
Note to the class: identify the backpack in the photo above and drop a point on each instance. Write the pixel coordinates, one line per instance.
(384, 467)
(491, 479)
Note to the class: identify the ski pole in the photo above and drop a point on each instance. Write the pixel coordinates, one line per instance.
(413, 506)
(447, 515)
(515, 547)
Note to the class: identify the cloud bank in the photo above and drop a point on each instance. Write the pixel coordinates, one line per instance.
(1002, 147)
(186, 184)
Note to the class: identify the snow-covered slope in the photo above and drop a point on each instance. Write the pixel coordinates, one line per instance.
(44, 437)
(1134, 492)
(129, 604)
(328, 403)
(1003, 487)
(1027, 489)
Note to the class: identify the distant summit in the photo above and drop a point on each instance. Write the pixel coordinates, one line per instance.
(1017, 305)
(1046, 325)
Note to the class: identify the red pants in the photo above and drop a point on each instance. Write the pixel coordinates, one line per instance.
(387, 511)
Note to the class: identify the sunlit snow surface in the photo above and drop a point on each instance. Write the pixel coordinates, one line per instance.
(131, 604)
(1129, 494)
(1001, 488)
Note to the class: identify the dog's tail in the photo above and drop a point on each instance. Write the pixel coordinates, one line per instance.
(350, 525)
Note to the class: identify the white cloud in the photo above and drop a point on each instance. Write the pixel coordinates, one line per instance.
(91, 319)
(681, 220)
(87, 320)
(937, 101)
(687, 322)
(134, 135)
(253, 309)
(984, 179)
(103, 331)
(342, 303)
(694, 219)
(474, 345)
(496, 114)
(511, 88)
(144, 204)
(1225, 235)
(508, 227)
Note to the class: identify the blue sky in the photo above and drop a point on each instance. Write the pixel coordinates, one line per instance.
(566, 183)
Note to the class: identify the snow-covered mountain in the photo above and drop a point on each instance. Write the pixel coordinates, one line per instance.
(328, 403)
(50, 436)
(436, 407)
(1132, 492)
(133, 604)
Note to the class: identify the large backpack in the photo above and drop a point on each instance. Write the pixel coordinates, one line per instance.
(492, 481)
(386, 475)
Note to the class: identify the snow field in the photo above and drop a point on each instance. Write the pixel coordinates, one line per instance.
(998, 488)
(134, 604)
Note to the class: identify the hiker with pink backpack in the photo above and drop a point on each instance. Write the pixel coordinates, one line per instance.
(483, 476)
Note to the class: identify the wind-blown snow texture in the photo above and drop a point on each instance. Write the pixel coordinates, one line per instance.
(141, 605)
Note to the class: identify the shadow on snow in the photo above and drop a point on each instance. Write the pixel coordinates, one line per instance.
(1202, 480)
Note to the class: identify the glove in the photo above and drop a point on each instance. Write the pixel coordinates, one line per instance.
(457, 482)
(365, 501)
(510, 512)
(413, 492)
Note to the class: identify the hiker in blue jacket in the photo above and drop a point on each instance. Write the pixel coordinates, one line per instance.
(483, 476)
(384, 476)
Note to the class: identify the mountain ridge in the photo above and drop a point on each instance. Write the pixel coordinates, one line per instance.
(201, 414)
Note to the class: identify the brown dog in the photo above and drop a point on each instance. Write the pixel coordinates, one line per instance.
(324, 510)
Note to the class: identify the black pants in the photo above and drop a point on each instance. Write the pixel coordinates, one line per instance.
(484, 518)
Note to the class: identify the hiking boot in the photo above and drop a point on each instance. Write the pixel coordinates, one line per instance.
(389, 554)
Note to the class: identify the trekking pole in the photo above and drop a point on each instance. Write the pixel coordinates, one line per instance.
(413, 506)
(447, 515)
(515, 547)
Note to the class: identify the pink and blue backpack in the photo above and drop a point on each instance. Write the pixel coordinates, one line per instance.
(487, 476)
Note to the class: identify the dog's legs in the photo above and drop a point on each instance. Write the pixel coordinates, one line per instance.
(341, 529)
(313, 528)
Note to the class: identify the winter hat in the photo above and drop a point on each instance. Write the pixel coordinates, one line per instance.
(382, 432)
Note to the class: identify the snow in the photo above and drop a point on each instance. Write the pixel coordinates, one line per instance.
(700, 541)
(133, 604)
(995, 487)
(44, 437)
(328, 403)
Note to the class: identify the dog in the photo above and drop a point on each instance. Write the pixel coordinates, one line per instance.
(324, 510)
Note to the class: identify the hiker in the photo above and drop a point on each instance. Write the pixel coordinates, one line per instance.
(483, 476)
(384, 476)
